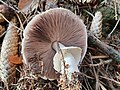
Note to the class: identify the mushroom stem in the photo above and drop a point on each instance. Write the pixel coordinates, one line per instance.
(70, 65)
(55, 46)
(64, 61)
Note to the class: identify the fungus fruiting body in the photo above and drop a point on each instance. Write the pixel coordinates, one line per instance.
(6, 11)
(49, 36)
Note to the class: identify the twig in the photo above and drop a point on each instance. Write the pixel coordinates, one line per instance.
(88, 87)
(101, 63)
(86, 75)
(89, 13)
(98, 57)
(114, 28)
(111, 80)
(95, 73)
(21, 25)
(10, 6)
(114, 54)
(115, 46)
(116, 15)
(3, 34)
(9, 22)
(102, 87)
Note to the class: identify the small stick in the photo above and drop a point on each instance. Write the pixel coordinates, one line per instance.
(114, 54)
(98, 57)
(10, 6)
(95, 73)
(10, 22)
(101, 63)
(116, 15)
(114, 28)
(89, 13)
(3, 34)
(110, 80)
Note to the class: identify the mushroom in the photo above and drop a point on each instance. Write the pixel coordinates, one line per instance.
(49, 36)
(7, 12)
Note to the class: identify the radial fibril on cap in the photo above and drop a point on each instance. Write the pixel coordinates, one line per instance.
(54, 25)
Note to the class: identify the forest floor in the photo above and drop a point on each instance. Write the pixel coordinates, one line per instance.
(99, 70)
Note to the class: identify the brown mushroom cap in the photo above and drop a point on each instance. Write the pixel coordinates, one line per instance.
(43, 30)
(6, 11)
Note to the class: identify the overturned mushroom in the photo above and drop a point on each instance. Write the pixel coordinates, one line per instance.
(51, 36)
